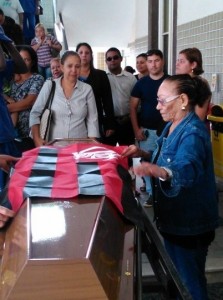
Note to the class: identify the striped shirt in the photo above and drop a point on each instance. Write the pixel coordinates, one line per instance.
(44, 51)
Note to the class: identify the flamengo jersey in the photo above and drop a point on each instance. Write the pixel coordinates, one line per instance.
(65, 172)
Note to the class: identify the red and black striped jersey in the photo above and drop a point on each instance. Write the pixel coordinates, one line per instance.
(65, 172)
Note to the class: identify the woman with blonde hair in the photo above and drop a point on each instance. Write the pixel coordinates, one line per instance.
(55, 67)
(44, 44)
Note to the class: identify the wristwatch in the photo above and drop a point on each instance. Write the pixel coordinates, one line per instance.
(169, 174)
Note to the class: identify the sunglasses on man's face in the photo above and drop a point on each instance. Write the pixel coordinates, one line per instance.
(110, 58)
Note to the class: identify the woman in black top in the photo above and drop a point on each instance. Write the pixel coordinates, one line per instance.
(101, 87)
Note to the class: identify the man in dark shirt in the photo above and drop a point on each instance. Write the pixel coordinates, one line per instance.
(148, 122)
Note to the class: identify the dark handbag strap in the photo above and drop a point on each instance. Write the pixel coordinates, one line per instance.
(51, 95)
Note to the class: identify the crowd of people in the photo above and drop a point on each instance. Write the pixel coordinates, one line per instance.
(159, 117)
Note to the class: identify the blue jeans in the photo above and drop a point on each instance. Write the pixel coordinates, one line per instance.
(148, 145)
(190, 264)
(29, 22)
(45, 72)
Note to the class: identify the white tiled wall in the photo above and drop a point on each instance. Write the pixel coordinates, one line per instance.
(207, 35)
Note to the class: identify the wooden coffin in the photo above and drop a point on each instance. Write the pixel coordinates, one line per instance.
(81, 248)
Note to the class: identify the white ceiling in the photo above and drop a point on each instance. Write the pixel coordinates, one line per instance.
(101, 23)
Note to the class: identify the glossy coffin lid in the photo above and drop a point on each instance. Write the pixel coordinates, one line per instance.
(80, 249)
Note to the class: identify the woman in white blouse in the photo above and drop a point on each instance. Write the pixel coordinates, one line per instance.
(74, 109)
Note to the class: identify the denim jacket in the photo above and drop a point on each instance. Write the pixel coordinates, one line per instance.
(187, 204)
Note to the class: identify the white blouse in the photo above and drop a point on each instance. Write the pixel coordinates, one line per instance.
(72, 118)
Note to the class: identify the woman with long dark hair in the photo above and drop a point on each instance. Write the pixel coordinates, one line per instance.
(190, 62)
(99, 82)
(24, 91)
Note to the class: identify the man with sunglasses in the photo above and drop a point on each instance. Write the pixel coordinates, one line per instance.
(122, 83)
(148, 122)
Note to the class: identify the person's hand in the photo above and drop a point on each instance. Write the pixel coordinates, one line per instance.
(37, 10)
(139, 135)
(131, 151)
(49, 42)
(5, 214)
(109, 132)
(40, 40)
(39, 142)
(8, 99)
(6, 161)
(148, 169)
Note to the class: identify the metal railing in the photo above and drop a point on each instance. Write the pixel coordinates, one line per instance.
(166, 281)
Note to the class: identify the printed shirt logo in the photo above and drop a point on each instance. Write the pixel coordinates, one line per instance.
(96, 153)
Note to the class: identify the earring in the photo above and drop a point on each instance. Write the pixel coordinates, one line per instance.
(183, 107)
(192, 70)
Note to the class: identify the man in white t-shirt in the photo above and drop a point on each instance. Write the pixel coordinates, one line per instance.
(13, 9)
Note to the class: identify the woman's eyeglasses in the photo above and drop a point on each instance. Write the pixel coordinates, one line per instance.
(110, 58)
(168, 99)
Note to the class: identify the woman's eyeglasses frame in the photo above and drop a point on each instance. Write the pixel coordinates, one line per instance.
(167, 100)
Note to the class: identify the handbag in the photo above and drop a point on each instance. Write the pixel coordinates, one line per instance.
(54, 52)
(46, 116)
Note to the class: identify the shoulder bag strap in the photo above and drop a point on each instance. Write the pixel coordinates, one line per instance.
(51, 95)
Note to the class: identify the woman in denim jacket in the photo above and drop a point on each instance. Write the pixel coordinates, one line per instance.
(182, 173)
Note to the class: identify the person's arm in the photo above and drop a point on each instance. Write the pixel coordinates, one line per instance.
(20, 12)
(36, 112)
(36, 46)
(36, 43)
(152, 170)
(19, 64)
(107, 103)
(2, 59)
(202, 111)
(134, 103)
(6, 162)
(5, 214)
(54, 44)
(23, 104)
(35, 85)
(21, 20)
(134, 151)
(38, 141)
(92, 116)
